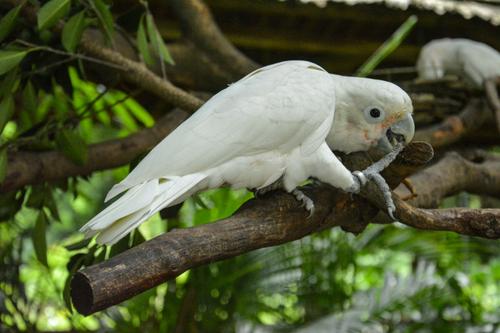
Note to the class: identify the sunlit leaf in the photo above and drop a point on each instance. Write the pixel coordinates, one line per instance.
(39, 238)
(10, 59)
(51, 12)
(105, 17)
(3, 164)
(72, 145)
(7, 22)
(9, 83)
(72, 31)
(6, 111)
(158, 44)
(142, 44)
(121, 112)
(139, 112)
(60, 102)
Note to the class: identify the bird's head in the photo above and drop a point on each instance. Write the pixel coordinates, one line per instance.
(370, 113)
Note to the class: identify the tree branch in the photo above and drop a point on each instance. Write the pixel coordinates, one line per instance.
(480, 174)
(26, 168)
(473, 222)
(455, 127)
(138, 74)
(198, 25)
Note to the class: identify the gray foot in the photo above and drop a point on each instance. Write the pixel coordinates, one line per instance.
(307, 203)
(373, 173)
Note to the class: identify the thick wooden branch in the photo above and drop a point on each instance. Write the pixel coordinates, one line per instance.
(198, 25)
(274, 219)
(139, 75)
(479, 174)
(473, 222)
(26, 168)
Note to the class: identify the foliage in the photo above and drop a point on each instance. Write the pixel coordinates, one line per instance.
(389, 278)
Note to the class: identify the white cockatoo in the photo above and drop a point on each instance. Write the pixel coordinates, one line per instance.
(276, 124)
(472, 61)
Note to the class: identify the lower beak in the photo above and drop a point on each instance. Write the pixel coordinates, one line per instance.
(400, 132)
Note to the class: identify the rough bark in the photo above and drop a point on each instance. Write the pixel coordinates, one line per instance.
(479, 173)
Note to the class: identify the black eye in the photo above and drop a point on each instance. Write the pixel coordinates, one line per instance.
(375, 113)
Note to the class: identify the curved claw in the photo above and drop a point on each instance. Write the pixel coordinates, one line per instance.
(373, 173)
(305, 201)
(386, 191)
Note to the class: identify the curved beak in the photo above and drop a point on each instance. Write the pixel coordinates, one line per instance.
(400, 132)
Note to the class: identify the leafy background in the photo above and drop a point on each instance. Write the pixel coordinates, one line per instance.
(388, 279)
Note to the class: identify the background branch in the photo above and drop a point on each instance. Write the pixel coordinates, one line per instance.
(479, 174)
(198, 25)
(27, 168)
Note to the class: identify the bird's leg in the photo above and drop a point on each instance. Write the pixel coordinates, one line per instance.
(307, 203)
(490, 88)
(373, 173)
(407, 183)
(274, 186)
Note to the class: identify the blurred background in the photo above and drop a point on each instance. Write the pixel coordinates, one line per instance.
(390, 278)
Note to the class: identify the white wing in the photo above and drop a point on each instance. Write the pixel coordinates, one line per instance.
(273, 108)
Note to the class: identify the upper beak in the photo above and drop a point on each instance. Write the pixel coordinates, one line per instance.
(400, 132)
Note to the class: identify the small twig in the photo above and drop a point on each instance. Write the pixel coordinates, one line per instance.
(72, 55)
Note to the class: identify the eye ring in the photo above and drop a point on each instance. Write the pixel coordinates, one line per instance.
(374, 114)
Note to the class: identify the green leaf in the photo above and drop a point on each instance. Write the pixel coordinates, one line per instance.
(39, 238)
(72, 31)
(3, 164)
(105, 18)
(139, 112)
(9, 83)
(158, 44)
(121, 112)
(30, 100)
(51, 12)
(142, 44)
(36, 197)
(6, 111)
(72, 145)
(387, 47)
(78, 245)
(10, 59)
(7, 22)
(60, 102)
(50, 203)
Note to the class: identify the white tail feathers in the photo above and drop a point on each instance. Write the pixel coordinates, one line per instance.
(138, 204)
